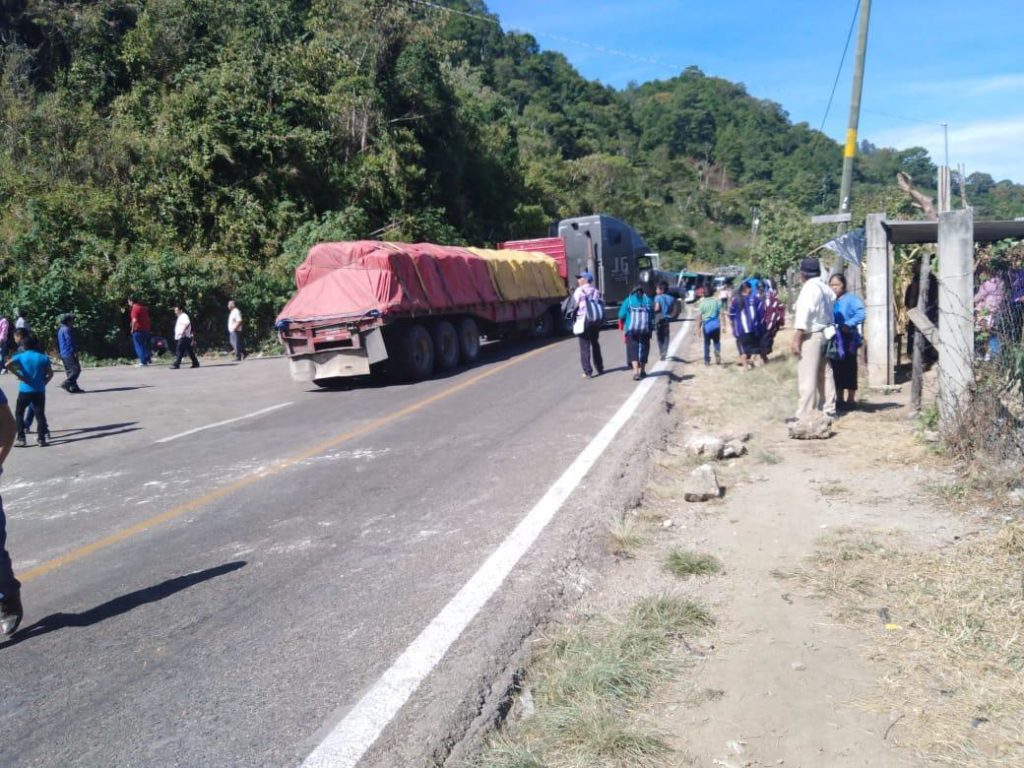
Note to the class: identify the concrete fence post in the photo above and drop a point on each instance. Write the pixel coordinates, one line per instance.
(956, 313)
(878, 324)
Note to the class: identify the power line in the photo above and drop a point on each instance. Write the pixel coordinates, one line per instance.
(559, 38)
(842, 61)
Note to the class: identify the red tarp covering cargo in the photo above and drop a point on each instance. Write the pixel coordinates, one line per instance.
(354, 279)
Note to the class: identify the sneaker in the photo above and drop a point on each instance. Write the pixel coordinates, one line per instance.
(139, 365)
(175, 367)
(42, 442)
(20, 442)
(194, 365)
(11, 614)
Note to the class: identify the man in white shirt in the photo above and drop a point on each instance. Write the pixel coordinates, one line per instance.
(235, 330)
(814, 324)
(183, 337)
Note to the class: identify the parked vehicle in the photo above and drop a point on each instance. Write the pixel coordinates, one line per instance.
(418, 309)
(366, 306)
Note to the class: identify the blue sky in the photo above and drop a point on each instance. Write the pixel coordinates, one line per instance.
(928, 62)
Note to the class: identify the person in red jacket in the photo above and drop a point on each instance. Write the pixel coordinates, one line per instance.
(141, 330)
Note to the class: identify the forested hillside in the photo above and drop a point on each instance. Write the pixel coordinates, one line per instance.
(193, 149)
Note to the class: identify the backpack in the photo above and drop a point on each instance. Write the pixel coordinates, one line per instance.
(639, 318)
(594, 309)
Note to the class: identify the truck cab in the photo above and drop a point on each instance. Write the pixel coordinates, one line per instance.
(610, 249)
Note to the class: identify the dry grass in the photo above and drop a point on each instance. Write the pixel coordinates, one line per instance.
(949, 625)
(625, 536)
(587, 682)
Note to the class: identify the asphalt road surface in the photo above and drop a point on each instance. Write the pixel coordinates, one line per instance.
(220, 562)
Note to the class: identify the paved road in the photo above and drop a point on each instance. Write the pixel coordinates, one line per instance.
(220, 598)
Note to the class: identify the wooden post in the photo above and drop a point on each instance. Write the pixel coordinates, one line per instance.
(878, 305)
(917, 384)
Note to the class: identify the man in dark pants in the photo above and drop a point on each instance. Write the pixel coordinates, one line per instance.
(663, 303)
(69, 354)
(589, 336)
(10, 589)
(33, 370)
(183, 337)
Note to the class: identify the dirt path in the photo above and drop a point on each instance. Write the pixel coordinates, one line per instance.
(780, 680)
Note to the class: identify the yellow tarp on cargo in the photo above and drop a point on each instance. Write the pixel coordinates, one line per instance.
(519, 275)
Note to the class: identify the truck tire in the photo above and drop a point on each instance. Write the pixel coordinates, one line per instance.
(446, 346)
(415, 353)
(543, 326)
(469, 340)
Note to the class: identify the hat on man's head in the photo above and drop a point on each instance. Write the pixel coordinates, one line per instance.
(810, 267)
(586, 276)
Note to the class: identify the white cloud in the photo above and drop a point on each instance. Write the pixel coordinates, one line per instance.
(973, 86)
(992, 146)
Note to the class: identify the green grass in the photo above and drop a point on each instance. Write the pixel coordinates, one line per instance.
(684, 564)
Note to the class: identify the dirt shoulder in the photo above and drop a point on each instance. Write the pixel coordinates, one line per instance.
(858, 619)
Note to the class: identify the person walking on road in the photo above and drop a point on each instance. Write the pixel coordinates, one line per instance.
(5, 339)
(68, 349)
(141, 330)
(636, 314)
(10, 590)
(663, 303)
(235, 330)
(710, 309)
(815, 325)
(589, 331)
(33, 370)
(20, 323)
(183, 338)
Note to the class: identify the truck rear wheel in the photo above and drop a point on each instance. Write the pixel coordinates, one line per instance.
(415, 353)
(446, 345)
(469, 340)
(543, 325)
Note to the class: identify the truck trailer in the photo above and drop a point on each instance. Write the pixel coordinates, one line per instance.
(415, 309)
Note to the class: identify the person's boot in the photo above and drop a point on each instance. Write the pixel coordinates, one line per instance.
(11, 614)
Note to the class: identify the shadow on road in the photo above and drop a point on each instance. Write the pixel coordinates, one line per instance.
(62, 436)
(120, 605)
(116, 389)
(497, 351)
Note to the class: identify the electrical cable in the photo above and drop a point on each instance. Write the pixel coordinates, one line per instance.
(842, 61)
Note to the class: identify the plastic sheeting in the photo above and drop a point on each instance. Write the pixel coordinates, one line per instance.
(360, 278)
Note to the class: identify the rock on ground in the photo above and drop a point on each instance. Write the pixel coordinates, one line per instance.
(702, 484)
(817, 426)
(702, 444)
(733, 449)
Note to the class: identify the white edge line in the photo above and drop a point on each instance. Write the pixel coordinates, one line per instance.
(351, 738)
(222, 423)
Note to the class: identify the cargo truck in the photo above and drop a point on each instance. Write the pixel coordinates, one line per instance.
(415, 310)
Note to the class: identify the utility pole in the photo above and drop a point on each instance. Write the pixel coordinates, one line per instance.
(851, 130)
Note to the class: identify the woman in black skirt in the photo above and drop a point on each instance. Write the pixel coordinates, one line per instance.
(849, 315)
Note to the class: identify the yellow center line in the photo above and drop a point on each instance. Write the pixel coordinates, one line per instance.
(275, 469)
